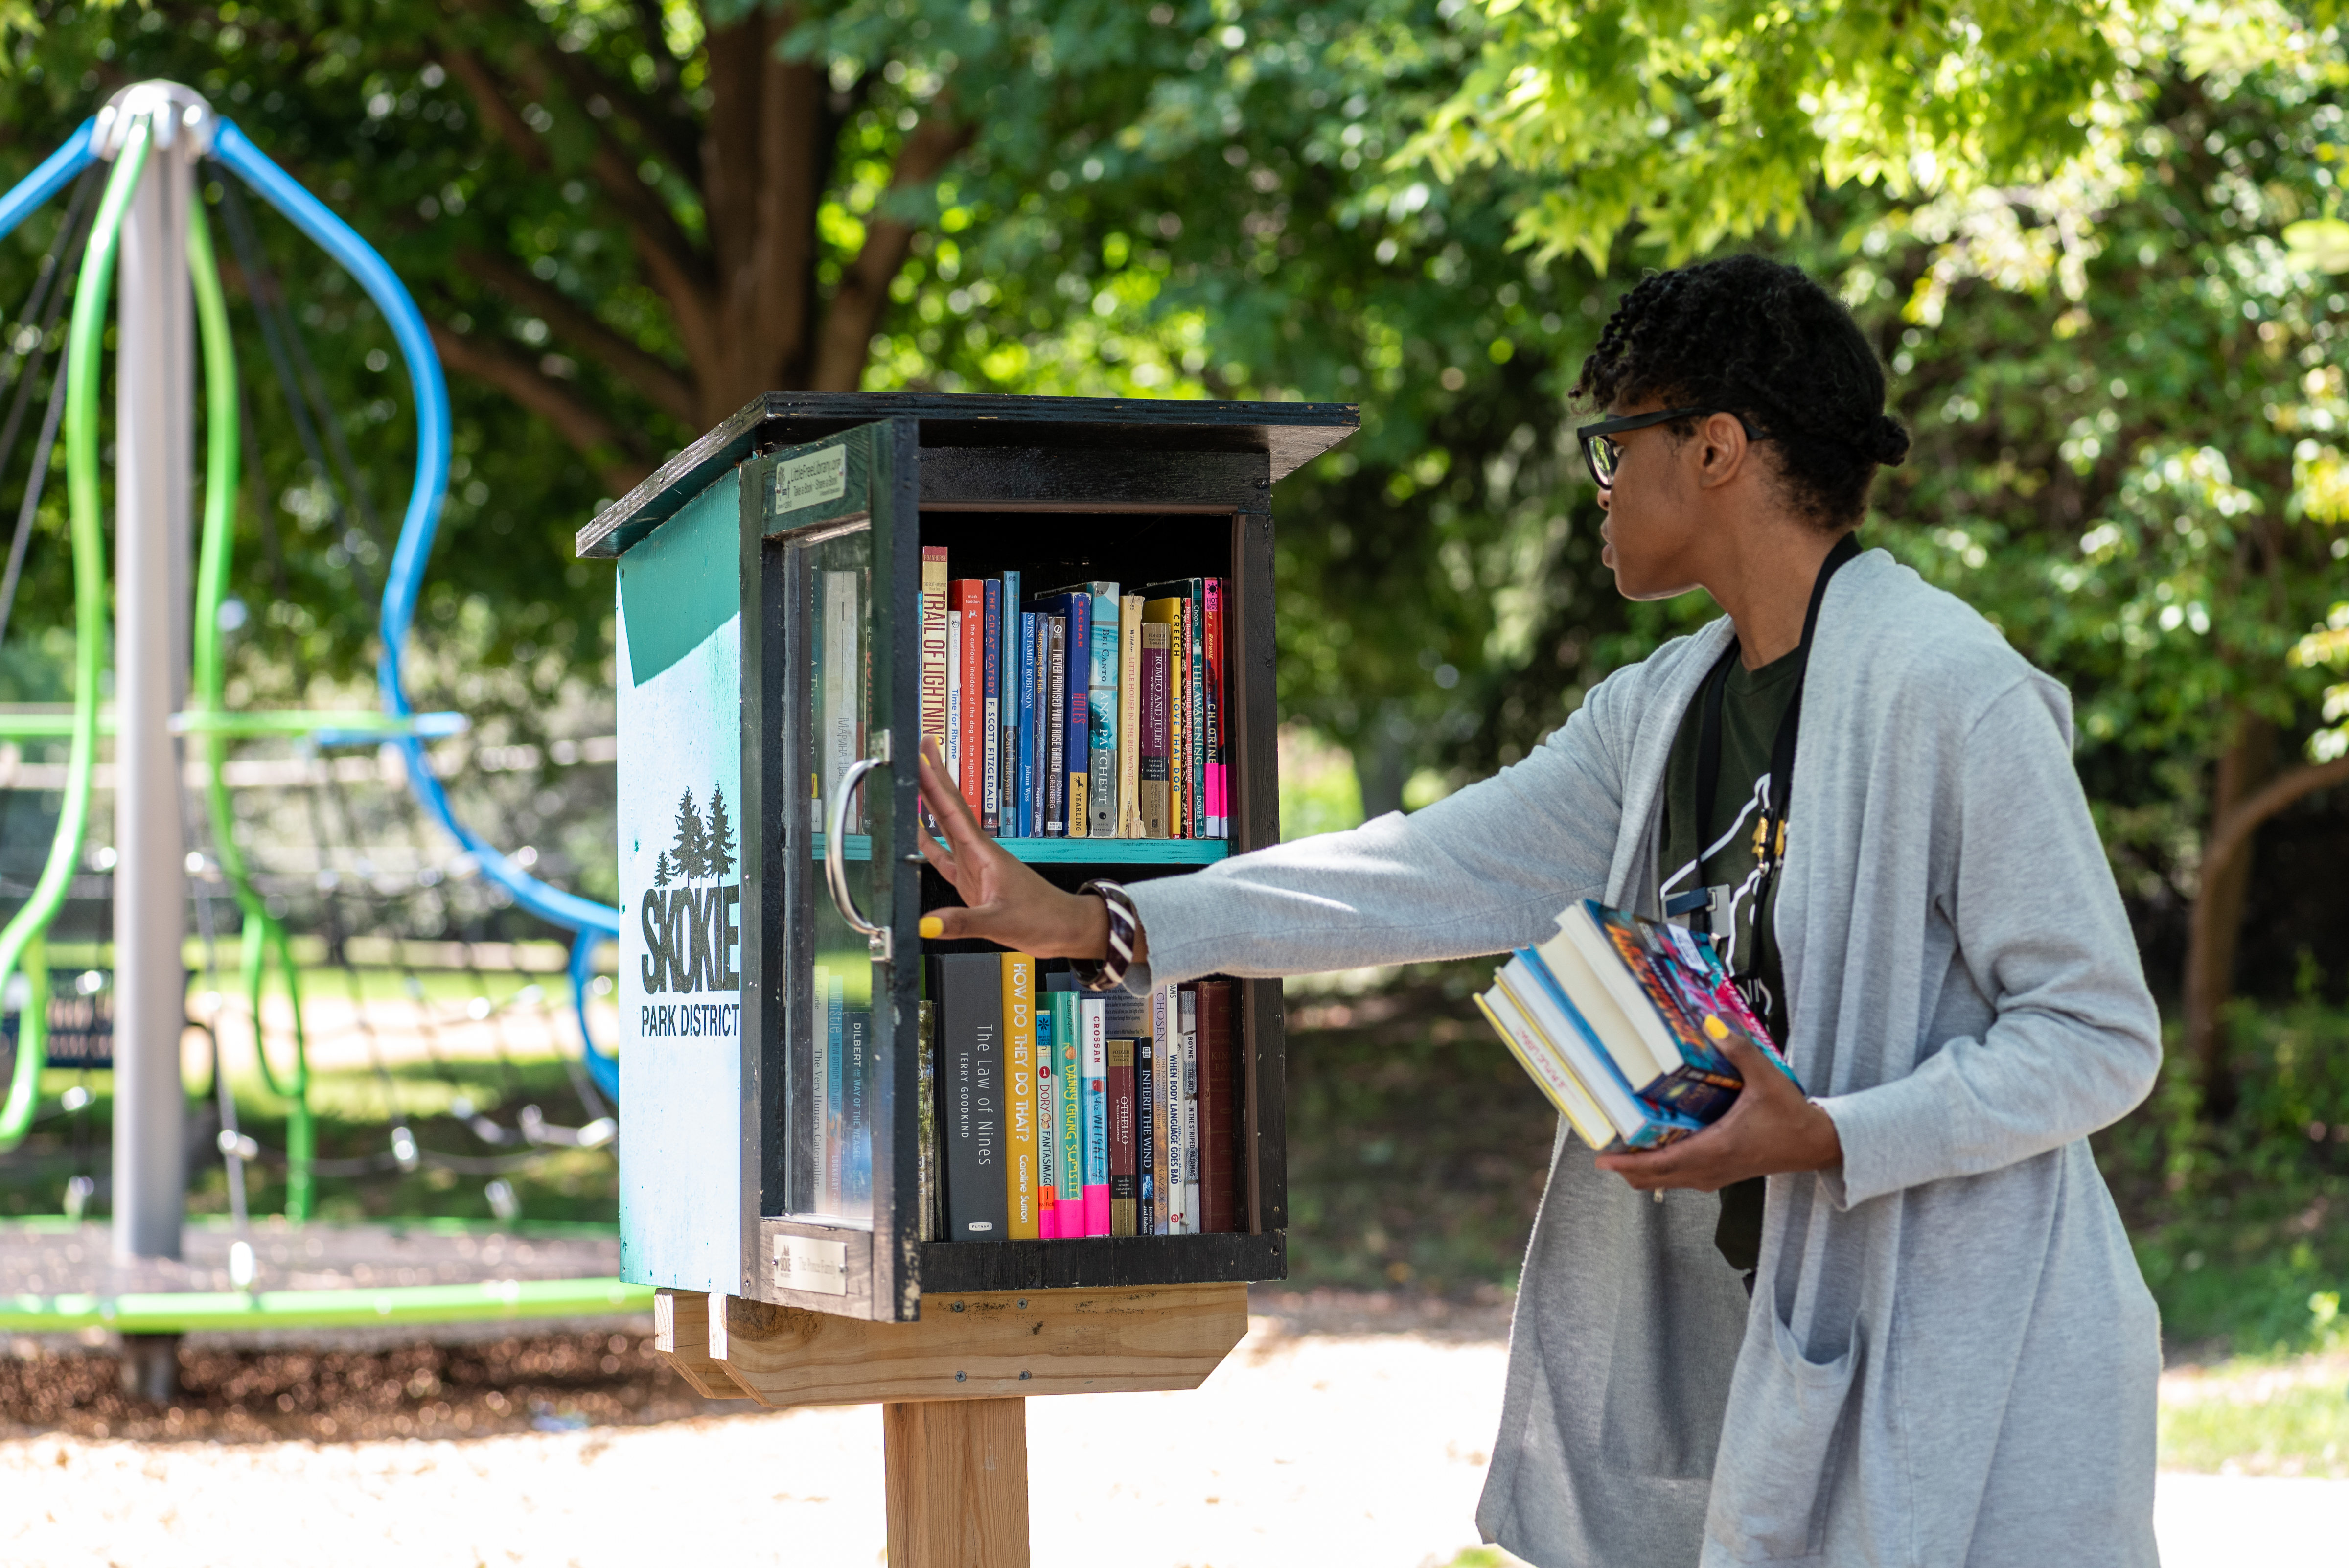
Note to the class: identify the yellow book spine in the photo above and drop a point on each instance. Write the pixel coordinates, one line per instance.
(1548, 1072)
(1019, 1166)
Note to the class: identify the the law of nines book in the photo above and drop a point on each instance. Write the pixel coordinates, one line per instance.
(1615, 1019)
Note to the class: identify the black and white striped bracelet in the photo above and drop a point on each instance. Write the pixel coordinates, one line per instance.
(1124, 931)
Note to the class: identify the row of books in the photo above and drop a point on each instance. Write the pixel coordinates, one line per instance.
(1617, 1020)
(1080, 713)
(1060, 1113)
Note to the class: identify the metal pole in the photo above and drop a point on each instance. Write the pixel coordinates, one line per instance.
(153, 466)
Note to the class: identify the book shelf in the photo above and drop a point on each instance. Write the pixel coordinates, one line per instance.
(769, 630)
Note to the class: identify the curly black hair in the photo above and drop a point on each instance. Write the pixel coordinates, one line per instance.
(1759, 338)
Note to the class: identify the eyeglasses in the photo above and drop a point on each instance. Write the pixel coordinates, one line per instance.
(1603, 455)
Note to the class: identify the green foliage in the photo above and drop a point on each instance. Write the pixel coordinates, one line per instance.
(1700, 121)
(2237, 1225)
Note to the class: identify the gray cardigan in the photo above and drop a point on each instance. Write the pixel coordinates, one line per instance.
(1950, 1357)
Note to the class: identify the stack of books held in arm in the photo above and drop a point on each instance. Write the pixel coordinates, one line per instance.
(1619, 1020)
(1062, 1113)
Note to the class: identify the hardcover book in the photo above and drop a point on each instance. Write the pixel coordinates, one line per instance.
(1218, 1174)
(970, 990)
(990, 789)
(1155, 789)
(1056, 725)
(1129, 716)
(1123, 1106)
(1048, 1125)
(1021, 1183)
(934, 645)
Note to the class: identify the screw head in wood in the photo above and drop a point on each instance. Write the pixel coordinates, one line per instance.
(960, 1375)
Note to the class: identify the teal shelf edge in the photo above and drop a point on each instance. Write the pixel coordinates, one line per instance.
(1084, 851)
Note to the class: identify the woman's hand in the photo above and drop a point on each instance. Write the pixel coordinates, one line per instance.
(1770, 1130)
(1006, 902)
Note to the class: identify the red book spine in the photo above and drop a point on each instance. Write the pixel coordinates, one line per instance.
(970, 609)
(1218, 1108)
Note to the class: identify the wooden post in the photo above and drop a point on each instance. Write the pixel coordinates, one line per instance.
(954, 1387)
(957, 1483)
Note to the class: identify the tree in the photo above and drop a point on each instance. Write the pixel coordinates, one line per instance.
(692, 848)
(719, 843)
(2123, 385)
(662, 872)
(1710, 121)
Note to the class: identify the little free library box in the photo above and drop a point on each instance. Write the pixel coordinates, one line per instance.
(803, 591)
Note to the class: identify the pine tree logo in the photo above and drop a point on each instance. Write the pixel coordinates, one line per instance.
(690, 916)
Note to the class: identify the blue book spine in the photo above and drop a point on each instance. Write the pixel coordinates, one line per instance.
(1024, 786)
(835, 1099)
(860, 1113)
(1080, 612)
(1040, 732)
(990, 798)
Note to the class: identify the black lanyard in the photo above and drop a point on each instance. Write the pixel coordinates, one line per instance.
(1770, 832)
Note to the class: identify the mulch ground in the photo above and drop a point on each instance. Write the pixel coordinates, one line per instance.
(546, 1383)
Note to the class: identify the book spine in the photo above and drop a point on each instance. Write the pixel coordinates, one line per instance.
(1068, 1053)
(972, 664)
(970, 1004)
(1047, 1126)
(991, 715)
(934, 645)
(954, 694)
(1156, 790)
(859, 1205)
(1093, 1032)
(1146, 1123)
(1079, 664)
(1101, 698)
(1020, 1178)
(835, 1023)
(818, 1080)
(925, 1114)
(1187, 1001)
(1006, 796)
(1056, 720)
(1178, 729)
(1165, 1163)
(1543, 1065)
(1123, 1109)
(1219, 1170)
(1025, 795)
(1129, 715)
(1219, 810)
(1194, 711)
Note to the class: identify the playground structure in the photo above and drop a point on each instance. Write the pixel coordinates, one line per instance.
(145, 238)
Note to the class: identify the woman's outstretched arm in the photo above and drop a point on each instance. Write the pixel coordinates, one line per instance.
(1481, 871)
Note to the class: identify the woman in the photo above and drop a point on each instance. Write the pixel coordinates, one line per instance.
(1910, 1330)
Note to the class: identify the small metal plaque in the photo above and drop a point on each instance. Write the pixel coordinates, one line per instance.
(811, 1263)
(819, 476)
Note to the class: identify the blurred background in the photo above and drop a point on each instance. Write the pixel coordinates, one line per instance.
(2099, 248)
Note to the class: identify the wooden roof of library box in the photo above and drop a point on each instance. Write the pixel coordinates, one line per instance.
(1291, 434)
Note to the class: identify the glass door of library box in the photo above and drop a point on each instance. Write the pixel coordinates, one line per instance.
(832, 966)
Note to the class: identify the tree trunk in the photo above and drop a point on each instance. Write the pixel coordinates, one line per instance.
(2215, 920)
(1381, 765)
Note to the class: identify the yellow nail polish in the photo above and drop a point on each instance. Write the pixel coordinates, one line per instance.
(1715, 1029)
(933, 927)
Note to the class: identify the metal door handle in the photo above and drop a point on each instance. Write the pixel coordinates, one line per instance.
(836, 856)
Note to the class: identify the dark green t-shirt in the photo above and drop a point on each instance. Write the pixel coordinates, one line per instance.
(1753, 703)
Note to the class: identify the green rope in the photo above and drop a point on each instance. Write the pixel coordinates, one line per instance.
(86, 346)
(265, 936)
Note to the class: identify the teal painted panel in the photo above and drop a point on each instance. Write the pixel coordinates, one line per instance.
(1082, 851)
(682, 583)
(680, 726)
